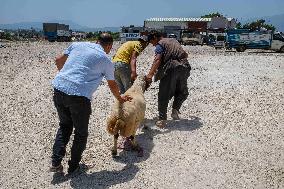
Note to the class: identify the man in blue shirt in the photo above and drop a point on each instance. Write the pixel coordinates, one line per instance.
(81, 69)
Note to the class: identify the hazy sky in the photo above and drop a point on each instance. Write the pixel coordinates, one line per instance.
(94, 13)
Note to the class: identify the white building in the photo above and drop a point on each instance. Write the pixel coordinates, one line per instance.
(182, 23)
(222, 23)
(198, 24)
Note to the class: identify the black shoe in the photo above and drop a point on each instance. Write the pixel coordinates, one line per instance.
(56, 169)
(175, 114)
(77, 169)
(73, 169)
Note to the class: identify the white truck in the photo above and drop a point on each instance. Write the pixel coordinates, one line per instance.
(220, 41)
(191, 39)
(131, 33)
(242, 39)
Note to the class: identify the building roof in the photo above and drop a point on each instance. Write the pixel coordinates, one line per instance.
(178, 20)
(230, 19)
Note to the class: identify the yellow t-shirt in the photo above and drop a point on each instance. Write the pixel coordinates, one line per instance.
(124, 52)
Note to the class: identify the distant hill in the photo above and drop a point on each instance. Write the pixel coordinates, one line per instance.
(72, 25)
(276, 20)
(22, 25)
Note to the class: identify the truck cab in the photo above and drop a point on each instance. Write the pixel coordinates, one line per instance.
(277, 42)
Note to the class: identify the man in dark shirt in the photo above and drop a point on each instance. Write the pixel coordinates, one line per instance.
(171, 67)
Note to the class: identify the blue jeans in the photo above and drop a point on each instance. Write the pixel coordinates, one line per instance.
(122, 75)
(73, 112)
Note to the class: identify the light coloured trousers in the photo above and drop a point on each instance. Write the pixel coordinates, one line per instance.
(122, 75)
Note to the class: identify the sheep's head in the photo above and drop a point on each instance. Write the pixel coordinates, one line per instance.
(140, 82)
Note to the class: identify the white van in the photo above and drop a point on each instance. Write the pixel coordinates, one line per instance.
(220, 42)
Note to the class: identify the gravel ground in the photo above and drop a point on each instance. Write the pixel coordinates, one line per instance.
(230, 135)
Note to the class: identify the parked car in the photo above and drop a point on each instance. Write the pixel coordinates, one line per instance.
(172, 35)
(220, 42)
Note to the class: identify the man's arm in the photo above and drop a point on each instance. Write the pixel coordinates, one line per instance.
(133, 65)
(115, 91)
(60, 61)
(154, 67)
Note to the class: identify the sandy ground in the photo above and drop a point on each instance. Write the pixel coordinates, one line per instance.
(230, 135)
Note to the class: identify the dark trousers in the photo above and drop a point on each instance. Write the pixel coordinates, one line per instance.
(73, 112)
(173, 84)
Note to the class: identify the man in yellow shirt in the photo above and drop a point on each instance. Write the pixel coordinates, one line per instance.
(125, 62)
(125, 71)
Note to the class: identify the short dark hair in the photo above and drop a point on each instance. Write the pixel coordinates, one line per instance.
(154, 34)
(105, 39)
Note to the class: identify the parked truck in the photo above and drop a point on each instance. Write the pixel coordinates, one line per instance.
(242, 39)
(56, 32)
(173, 32)
(190, 38)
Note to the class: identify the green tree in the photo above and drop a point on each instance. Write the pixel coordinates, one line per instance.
(94, 35)
(90, 35)
(239, 25)
(211, 15)
(258, 24)
(115, 36)
(8, 36)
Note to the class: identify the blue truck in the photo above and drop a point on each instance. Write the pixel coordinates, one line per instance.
(56, 32)
(242, 39)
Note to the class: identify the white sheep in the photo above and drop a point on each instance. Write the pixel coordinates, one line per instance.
(125, 118)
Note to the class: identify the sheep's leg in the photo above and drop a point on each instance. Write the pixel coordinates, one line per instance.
(133, 142)
(114, 149)
(136, 147)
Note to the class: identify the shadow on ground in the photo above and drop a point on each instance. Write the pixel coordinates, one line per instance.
(106, 179)
(99, 180)
(145, 139)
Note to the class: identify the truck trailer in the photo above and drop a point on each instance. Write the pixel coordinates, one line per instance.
(131, 33)
(56, 32)
(242, 39)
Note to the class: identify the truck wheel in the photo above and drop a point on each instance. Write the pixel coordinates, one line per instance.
(241, 48)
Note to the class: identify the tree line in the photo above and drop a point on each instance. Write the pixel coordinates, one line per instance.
(95, 35)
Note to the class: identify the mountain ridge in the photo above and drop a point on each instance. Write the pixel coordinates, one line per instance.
(72, 25)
